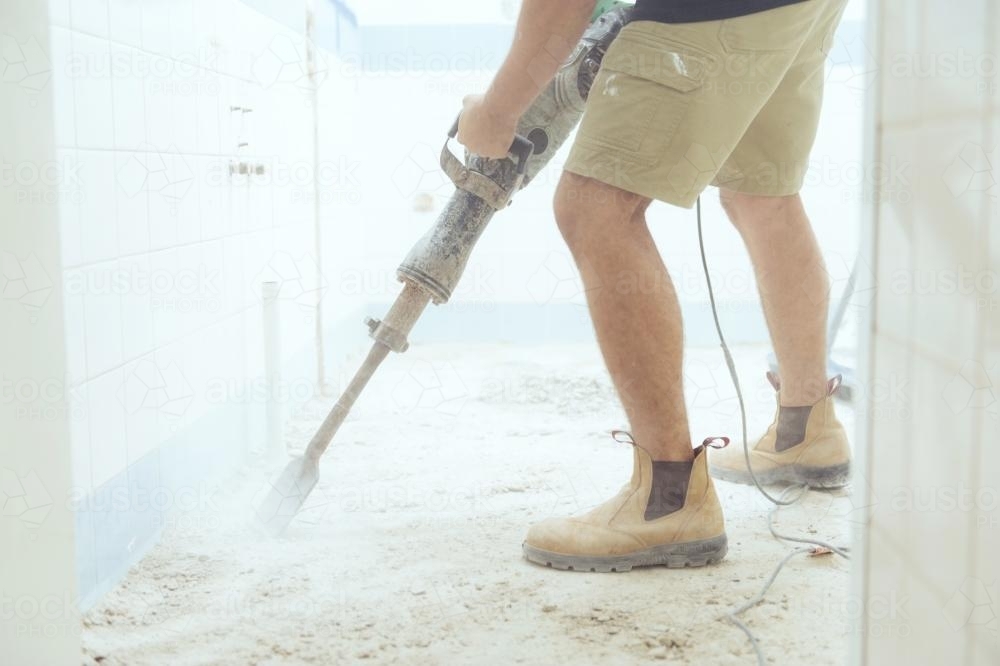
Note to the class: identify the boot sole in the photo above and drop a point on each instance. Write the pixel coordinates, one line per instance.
(824, 478)
(673, 556)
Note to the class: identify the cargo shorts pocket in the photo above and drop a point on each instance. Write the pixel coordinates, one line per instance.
(641, 95)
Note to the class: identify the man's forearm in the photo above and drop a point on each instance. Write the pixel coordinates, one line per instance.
(547, 32)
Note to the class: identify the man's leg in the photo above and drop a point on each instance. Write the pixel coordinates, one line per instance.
(793, 285)
(668, 513)
(634, 309)
(805, 443)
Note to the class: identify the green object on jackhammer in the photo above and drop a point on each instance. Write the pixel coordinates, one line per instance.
(605, 6)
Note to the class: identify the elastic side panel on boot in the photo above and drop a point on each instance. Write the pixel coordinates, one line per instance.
(669, 488)
(792, 423)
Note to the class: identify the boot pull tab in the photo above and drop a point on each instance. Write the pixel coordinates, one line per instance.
(834, 385)
(712, 443)
(775, 380)
(623, 437)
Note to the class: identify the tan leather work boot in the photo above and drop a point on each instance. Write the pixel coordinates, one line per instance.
(668, 514)
(806, 445)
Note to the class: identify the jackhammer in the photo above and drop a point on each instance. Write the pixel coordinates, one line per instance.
(432, 269)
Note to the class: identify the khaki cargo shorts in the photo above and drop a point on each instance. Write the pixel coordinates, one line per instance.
(732, 103)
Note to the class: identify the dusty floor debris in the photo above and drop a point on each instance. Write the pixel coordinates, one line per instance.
(410, 550)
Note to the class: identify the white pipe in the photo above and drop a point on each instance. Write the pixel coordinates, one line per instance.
(311, 50)
(274, 445)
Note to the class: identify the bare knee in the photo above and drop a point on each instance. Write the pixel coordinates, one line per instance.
(568, 212)
(587, 210)
(750, 212)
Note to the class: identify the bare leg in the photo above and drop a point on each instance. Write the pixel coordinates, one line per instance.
(634, 309)
(793, 285)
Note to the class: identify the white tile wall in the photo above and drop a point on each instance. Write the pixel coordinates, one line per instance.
(61, 43)
(142, 427)
(102, 308)
(162, 247)
(155, 19)
(127, 97)
(132, 200)
(90, 16)
(98, 221)
(106, 417)
(70, 204)
(136, 306)
(59, 13)
(90, 70)
(79, 407)
(126, 21)
(937, 540)
(76, 339)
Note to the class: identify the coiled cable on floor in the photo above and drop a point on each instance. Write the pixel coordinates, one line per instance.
(816, 547)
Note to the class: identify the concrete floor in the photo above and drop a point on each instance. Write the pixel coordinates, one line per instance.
(410, 550)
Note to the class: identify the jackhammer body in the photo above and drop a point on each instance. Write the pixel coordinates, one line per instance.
(438, 260)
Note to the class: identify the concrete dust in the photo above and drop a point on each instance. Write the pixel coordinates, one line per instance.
(409, 552)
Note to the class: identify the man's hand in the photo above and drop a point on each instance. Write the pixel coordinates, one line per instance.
(484, 130)
(547, 31)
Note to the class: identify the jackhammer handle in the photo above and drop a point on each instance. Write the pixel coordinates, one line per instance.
(522, 148)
